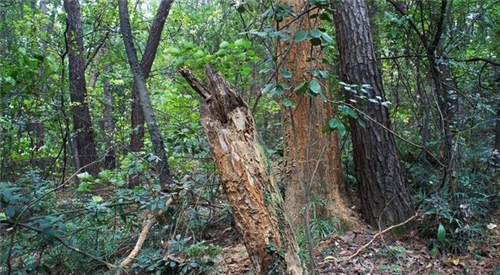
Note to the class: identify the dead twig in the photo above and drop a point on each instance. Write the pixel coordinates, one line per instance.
(379, 234)
(140, 241)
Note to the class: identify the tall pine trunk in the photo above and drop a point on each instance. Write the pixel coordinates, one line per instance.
(82, 122)
(147, 107)
(384, 192)
(251, 190)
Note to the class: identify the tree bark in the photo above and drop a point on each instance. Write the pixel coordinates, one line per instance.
(313, 169)
(137, 117)
(147, 108)
(496, 148)
(385, 198)
(109, 124)
(251, 190)
(82, 122)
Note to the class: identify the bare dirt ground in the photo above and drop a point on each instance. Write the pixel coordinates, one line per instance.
(386, 255)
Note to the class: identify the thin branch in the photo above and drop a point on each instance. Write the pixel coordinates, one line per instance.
(61, 241)
(479, 59)
(391, 131)
(412, 24)
(97, 49)
(379, 234)
(440, 26)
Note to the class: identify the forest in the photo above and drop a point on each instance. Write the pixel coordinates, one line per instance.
(250, 137)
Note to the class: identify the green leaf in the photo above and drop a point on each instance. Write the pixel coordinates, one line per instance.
(315, 87)
(345, 110)
(11, 80)
(97, 198)
(267, 88)
(288, 102)
(179, 61)
(187, 45)
(383, 267)
(174, 51)
(300, 36)
(277, 91)
(84, 187)
(328, 39)
(85, 177)
(243, 43)
(10, 211)
(335, 124)
(434, 251)
(224, 45)
(221, 52)
(246, 71)
(286, 73)
(441, 234)
(316, 33)
(362, 122)
(301, 88)
(199, 54)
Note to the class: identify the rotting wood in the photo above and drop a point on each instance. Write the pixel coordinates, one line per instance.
(253, 195)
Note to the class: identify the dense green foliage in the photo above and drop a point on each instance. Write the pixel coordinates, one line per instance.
(47, 209)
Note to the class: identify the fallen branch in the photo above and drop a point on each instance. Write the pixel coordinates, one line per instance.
(379, 234)
(142, 237)
(140, 241)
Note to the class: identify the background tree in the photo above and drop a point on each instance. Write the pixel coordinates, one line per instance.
(82, 122)
(147, 108)
(148, 57)
(109, 122)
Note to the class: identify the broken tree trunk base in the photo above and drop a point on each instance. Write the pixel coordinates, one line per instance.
(251, 190)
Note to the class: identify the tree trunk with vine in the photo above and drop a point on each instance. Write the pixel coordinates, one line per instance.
(313, 171)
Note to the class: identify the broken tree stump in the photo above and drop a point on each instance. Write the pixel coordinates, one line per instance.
(252, 192)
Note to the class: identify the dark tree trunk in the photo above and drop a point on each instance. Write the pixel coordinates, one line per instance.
(109, 124)
(385, 198)
(149, 115)
(448, 104)
(251, 190)
(137, 117)
(497, 138)
(82, 123)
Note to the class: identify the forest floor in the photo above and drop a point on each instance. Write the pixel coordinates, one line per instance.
(386, 255)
